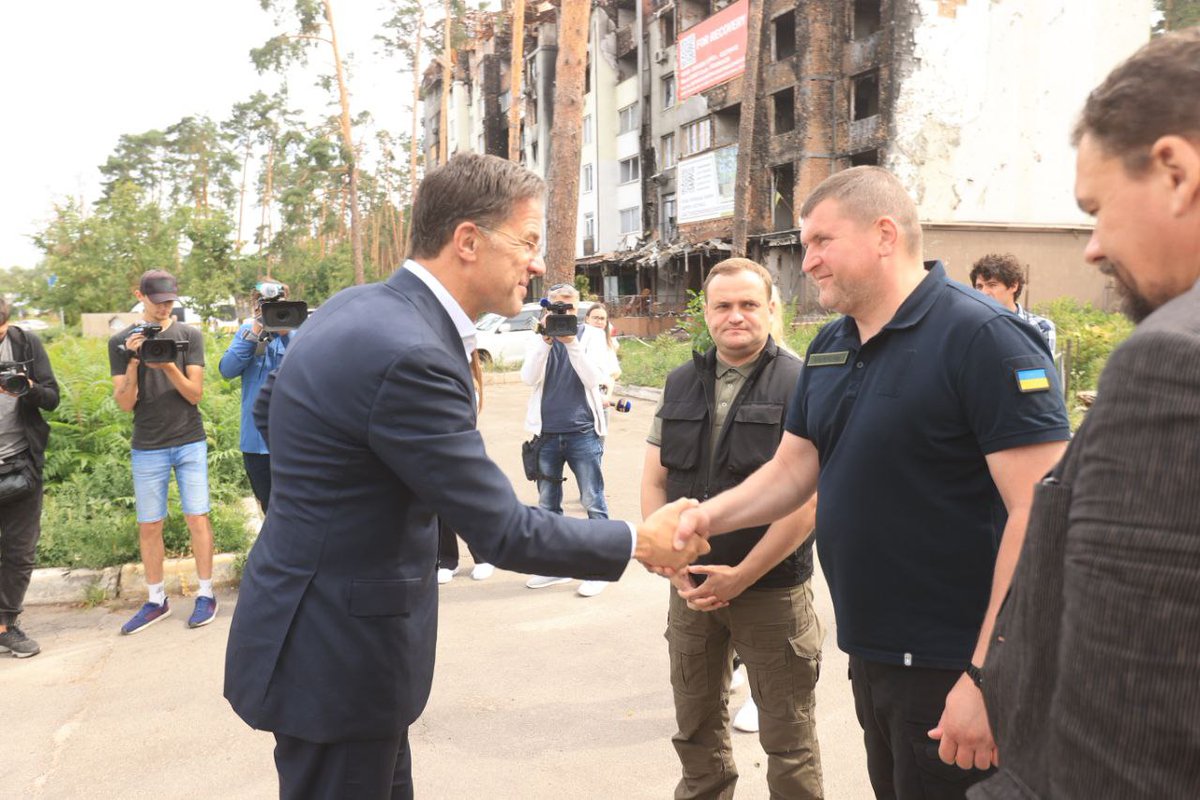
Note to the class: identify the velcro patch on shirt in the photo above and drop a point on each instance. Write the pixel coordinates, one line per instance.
(1032, 380)
(828, 359)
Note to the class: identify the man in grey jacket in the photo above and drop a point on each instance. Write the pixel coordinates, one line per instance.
(1091, 681)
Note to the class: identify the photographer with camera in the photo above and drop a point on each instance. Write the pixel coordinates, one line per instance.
(566, 367)
(27, 387)
(253, 354)
(157, 369)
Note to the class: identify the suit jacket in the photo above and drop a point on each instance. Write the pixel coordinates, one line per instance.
(372, 433)
(1092, 679)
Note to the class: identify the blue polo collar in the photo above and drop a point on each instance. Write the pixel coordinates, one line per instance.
(911, 311)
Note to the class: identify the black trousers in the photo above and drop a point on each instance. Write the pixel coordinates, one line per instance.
(448, 548)
(897, 707)
(258, 470)
(20, 527)
(379, 769)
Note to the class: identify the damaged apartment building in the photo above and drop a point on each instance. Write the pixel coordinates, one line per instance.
(708, 122)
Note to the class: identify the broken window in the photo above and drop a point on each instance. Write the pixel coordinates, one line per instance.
(666, 27)
(785, 110)
(785, 35)
(697, 136)
(867, 158)
(783, 181)
(666, 151)
(669, 228)
(668, 91)
(867, 18)
(865, 100)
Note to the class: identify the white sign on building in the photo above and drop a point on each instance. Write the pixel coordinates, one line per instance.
(705, 185)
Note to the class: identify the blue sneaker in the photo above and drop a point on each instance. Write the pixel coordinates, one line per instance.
(206, 612)
(146, 616)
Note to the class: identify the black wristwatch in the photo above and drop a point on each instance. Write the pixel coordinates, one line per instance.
(976, 675)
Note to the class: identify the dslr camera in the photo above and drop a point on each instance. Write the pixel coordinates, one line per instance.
(155, 350)
(560, 320)
(13, 378)
(279, 315)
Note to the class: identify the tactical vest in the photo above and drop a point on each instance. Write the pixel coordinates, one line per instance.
(751, 433)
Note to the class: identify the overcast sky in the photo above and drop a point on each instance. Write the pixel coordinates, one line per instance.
(79, 73)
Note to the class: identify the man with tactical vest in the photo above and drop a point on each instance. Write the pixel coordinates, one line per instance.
(720, 418)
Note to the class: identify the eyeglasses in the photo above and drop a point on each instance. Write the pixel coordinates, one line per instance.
(532, 248)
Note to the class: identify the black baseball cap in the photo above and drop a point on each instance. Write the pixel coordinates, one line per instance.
(159, 286)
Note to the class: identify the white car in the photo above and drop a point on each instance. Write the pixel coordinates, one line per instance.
(31, 324)
(503, 340)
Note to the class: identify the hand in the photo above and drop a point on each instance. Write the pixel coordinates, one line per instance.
(134, 343)
(655, 546)
(256, 327)
(693, 522)
(723, 584)
(161, 365)
(565, 339)
(964, 733)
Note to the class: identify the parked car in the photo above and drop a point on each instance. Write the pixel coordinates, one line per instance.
(31, 324)
(503, 340)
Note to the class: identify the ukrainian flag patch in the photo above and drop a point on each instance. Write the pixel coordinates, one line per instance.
(1033, 380)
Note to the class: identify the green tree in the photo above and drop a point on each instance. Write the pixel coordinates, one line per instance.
(1176, 15)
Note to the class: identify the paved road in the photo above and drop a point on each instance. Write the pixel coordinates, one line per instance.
(538, 694)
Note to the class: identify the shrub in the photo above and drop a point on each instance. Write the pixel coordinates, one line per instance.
(89, 519)
(1087, 336)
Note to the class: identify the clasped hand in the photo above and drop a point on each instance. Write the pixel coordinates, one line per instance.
(657, 545)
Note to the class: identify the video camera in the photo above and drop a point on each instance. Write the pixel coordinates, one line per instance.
(13, 378)
(155, 350)
(559, 321)
(279, 315)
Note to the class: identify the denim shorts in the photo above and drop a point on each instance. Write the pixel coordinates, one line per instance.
(152, 475)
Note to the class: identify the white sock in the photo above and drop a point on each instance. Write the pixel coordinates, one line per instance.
(158, 595)
(205, 589)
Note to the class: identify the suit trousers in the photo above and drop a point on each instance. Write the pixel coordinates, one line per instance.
(897, 707)
(777, 635)
(448, 548)
(20, 528)
(258, 470)
(379, 769)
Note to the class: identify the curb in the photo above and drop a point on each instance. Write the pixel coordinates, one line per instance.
(64, 585)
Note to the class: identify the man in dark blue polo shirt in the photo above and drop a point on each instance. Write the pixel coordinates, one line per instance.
(926, 415)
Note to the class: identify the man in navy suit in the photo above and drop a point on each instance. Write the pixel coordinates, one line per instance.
(371, 424)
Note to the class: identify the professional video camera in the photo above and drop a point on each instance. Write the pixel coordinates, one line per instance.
(560, 321)
(155, 350)
(279, 315)
(13, 378)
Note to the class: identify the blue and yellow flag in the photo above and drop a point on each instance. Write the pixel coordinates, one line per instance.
(1033, 380)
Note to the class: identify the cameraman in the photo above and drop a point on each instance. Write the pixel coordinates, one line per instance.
(253, 354)
(566, 412)
(23, 435)
(167, 433)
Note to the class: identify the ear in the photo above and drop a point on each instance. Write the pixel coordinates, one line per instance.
(465, 241)
(1177, 159)
(889, 235)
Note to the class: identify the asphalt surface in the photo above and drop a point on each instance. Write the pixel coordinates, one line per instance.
(537, 694)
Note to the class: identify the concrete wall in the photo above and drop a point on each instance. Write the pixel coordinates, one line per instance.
(986, 100)
(107, 323)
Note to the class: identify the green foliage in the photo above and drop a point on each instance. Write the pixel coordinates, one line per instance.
(693, 322)
(1091, 334)
(583, 285)
(1176, 15)
(89, 518)
(647, 363)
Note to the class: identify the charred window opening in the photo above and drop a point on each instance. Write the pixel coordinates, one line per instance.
(867, 18)
(785, 110)
(867, 158)
(785, 35)
(865, 100)
(783, 181)
(666, 28)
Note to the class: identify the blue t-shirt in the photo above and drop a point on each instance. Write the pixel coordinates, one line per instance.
(564, 401)
(241, 358)
(909, 520)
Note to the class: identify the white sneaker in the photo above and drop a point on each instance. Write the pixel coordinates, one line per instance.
(739, 678)
(542, 581)
(445, 575)
(481, 572)
(592, 588)
(747, 719)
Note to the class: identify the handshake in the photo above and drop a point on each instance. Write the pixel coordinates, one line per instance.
(672, 537)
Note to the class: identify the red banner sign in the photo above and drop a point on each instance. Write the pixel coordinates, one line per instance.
(713, 51)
